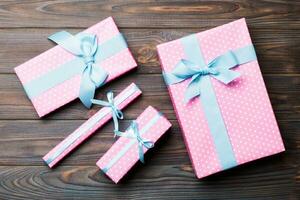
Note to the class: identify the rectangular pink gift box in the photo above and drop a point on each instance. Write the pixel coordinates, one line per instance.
(123, 155)
(68, 90)
(90, 126)
(244, 103)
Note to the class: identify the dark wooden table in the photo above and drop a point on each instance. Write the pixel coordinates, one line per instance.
(24, 27)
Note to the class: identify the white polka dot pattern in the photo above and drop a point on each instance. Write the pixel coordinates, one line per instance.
(244, 104)
(56, 56)
(126, 162)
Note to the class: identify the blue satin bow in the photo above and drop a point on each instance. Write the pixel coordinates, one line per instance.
(133, 132)
(219, 68)
(116, 113)
(84, 46)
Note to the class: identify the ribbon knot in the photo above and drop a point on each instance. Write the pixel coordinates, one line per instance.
(116, 113)
(85, 47)
(207, 71)
(88, 60)
(133, 133)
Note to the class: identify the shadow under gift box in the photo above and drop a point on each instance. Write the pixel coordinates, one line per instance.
(124, 153)
(38, 74)
(228, 124)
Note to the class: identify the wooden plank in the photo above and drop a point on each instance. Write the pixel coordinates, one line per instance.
(283, 90)
(24, 138)
(277, 49)
(176, 181)
(25, 142)
(149, 14)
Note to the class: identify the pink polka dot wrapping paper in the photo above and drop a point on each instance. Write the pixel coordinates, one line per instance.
(244, 103)
(121, 166)
(53, 58)
(89, 127)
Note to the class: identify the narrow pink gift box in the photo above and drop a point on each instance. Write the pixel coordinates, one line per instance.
(220, 99)
(91, 125)
(53, 78)
(128, 149)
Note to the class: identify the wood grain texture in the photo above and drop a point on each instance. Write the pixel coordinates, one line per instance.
(148, 13)
(24, 26)
(276, 48)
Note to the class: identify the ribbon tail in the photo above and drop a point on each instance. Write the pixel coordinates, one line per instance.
(100, 102)
(116, 122)
(87, 90)
(98, 75)
(185, 69)
(226, 75)
(148, 144)
(193, 89)
(141, 153)
(171, 78)
(119, 133)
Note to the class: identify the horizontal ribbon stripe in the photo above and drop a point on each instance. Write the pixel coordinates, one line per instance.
(74, 67)
(131, 143)
(89, 125)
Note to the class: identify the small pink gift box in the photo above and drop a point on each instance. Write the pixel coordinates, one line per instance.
(220, 98)
(90, 126)
(124, 153)
(51, 79)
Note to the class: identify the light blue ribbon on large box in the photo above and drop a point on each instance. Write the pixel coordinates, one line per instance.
(198, 72)
(89, 55)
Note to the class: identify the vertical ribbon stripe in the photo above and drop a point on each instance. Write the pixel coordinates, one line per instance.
(74, 67)
(210, 105)
(131, 143)
(81, 132)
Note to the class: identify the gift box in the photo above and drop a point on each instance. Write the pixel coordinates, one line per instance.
(220, 99)
(75, 67)
(133, 144)
(111, 110)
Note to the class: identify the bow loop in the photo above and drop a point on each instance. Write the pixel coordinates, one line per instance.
(185, 69)
(88, 45)
(219, 68)
(84, 46)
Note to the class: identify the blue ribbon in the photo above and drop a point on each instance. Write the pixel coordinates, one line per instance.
(195, 69)
(219, 68)
(84, 47)
(135, 133)
(89, 55)
(116, 113)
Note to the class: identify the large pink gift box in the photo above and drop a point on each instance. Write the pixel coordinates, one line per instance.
(244, 105)
(124, 153)
(83, 132)
(53, 97)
